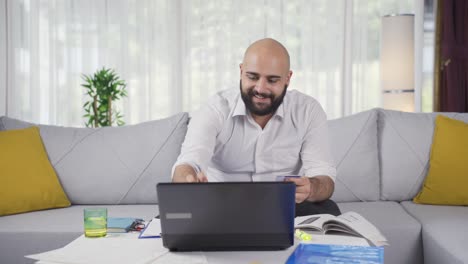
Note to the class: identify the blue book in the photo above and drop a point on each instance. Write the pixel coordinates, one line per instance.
(334, 254)
(120, 224)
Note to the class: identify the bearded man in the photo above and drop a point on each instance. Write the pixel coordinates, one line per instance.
(262, 132)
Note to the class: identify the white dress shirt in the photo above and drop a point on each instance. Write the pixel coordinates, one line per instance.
(225, 142)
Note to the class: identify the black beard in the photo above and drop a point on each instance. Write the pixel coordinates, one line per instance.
(275, 101)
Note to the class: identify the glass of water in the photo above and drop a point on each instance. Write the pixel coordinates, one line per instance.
(95, 222)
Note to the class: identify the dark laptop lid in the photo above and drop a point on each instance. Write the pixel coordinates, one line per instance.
(227, 216)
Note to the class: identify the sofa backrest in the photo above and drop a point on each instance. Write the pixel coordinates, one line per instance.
(112, 165)
(379, 154)
(353, 142)
(122, 165)
(405, 141)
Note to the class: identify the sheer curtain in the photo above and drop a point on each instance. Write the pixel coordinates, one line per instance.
(3, 57)
(174, 54)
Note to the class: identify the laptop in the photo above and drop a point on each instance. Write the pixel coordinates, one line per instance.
(227, 216)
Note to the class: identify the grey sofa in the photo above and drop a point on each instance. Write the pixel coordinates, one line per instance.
(381, 157)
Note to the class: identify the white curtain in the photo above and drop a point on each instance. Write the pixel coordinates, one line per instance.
(174, 54)
(3, 57)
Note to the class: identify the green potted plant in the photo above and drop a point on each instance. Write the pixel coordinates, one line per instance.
(104, 88)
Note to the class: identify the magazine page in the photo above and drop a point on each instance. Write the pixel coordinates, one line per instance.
(314, 222)
(336, 240)
(337, 228)
(357, 224)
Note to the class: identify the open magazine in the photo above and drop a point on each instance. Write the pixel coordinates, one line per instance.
(349, 223)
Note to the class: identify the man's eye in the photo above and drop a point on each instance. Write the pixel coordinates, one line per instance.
(273, 80)
(253, 78)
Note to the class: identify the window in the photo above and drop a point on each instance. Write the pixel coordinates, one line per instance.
(175, 54)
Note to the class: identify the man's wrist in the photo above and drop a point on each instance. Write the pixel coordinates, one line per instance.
(321, 188)
(194, 166)
(313, 183)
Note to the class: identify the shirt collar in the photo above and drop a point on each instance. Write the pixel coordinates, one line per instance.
(280, 110)
(240, 108)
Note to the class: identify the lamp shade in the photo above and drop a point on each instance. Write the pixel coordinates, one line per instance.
(397, 62)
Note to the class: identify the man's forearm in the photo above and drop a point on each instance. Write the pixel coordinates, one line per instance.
(322, 188)
(181, 172)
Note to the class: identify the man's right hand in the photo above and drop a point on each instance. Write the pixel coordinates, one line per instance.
(185, 173)
(200, 178)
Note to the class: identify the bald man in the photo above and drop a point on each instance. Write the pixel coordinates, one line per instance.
(262, 132)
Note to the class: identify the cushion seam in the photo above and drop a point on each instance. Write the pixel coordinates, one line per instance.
(406, 142)
(74, 146)
(349, 149)
(380, 117)
(391, 125)
(352, 193)
(354, 141)
(421, 175)
(118, 157)
(151, 161)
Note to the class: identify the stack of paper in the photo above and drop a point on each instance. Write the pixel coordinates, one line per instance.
(117, 248)
(122, 248)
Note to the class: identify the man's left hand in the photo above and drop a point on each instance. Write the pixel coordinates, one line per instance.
(303, 188)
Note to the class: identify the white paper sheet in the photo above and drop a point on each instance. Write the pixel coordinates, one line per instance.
(182, 258)
(113, 249)
(152, 230)
(168, 258)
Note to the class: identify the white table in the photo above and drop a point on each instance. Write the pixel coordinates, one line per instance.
(124, 247)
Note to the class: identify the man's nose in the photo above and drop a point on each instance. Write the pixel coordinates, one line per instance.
(262, 86)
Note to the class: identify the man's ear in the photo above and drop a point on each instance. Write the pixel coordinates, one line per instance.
(289, 77)
(240, 67)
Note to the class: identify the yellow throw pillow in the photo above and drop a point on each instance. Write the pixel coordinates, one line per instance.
(28, 181)
(447, 180)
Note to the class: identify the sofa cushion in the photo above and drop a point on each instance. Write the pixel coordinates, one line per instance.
(402, 231)
(28, 181)
(405, 141)
(444, 231)
(112, 165)
(353, 141)
(447, 180)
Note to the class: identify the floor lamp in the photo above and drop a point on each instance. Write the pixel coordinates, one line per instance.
(397, 62)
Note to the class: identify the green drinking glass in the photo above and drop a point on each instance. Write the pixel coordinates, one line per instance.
(95, 222)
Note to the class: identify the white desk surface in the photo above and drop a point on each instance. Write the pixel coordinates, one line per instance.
(116, 243)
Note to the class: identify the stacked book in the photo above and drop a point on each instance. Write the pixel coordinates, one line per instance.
(122, 224)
